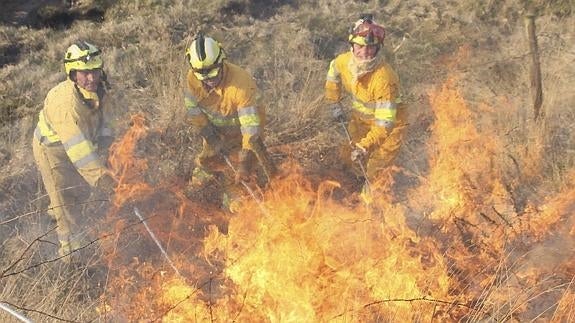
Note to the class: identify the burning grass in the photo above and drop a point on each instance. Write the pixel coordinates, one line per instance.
(475, 224)
(297, 254)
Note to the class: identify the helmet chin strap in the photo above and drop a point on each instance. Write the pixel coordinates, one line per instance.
(88, 95)
(215, 81)
(104, 80)
(91, 99)
(210, 85)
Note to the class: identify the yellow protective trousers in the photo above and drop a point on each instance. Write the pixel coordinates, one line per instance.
(67, 191)
(379, 156)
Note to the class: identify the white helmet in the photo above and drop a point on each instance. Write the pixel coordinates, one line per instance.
(206, 57)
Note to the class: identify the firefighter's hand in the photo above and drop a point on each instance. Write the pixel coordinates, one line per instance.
(245, 167)
(337, 112)
(212, 138)
(358, 153)
(104, 143)
(107, 184)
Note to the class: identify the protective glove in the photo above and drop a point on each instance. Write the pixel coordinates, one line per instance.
(107, 184)
(337, 112)
(210, 135)
(358, 153)
(263, 157)
(245, 166)
(104, 143)
(213, 147)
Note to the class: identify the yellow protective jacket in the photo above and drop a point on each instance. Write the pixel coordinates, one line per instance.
(230, 107)
(68, 120)
(375, 96)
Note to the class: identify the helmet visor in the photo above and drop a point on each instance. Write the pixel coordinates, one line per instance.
(361, 40)
(83, 64)
(207, 73)
(367, 34)
(85, 58)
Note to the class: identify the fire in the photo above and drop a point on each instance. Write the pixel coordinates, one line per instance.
(484, 235)
(455, 250)
(460, 156)
(126, 168)
(297, 255)
(555, 210)
(301, 257)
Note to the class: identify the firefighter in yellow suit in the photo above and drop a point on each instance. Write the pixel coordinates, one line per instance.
(71, 128)
(220, 100)
(377, 116)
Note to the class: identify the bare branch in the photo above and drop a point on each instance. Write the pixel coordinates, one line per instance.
(424, 298)
(24, 252)
(418, 299)
(4, 272)
(48, 209)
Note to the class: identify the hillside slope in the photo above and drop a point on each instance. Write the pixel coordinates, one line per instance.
(481, 190)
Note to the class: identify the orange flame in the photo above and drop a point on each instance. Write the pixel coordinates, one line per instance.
(300, 256)
(127, 169)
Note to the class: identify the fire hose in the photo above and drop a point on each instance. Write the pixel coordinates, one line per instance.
(164, 253)
(360, 164)
(17, 315)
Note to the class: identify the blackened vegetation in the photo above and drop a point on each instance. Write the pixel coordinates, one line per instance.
(62, 19)
(9, 110)
(257, 9)
(47, 14)
(9, 54)
(39, 15)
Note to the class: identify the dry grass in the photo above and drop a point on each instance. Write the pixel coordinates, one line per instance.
(287, 52)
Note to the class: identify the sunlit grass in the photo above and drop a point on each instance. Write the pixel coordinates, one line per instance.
(144, 43)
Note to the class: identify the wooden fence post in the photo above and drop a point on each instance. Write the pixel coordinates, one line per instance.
(535, 70)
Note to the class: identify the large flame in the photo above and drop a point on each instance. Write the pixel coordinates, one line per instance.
(457, 249)
(300, 257)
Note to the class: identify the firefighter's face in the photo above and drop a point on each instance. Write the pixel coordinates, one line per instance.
(364, 52)
(89, 80)
(213, 81)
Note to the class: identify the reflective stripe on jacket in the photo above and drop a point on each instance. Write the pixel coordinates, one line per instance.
(66, 119)
(232, 104)
(375, 95)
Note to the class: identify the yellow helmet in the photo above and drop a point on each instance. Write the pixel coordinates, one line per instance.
(206, 57)
(82, 56)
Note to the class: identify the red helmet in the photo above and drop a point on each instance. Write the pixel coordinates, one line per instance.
(366, 32)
